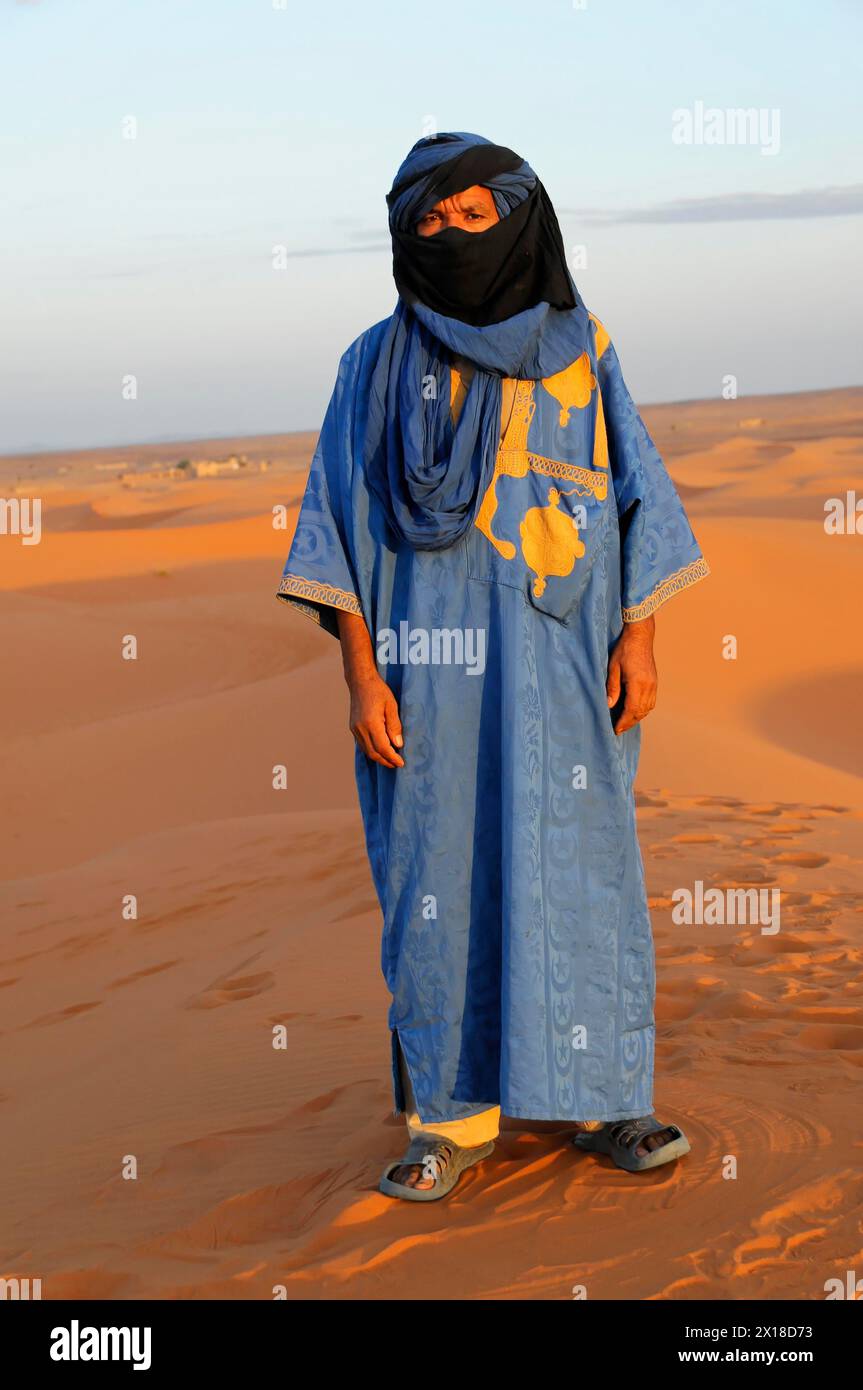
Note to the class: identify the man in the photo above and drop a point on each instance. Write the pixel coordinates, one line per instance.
(489, 529)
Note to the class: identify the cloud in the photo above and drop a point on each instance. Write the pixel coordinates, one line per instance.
(336, 250)
(831, 201)
(368, 234)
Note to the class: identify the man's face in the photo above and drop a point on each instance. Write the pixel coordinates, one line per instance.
(473, 211)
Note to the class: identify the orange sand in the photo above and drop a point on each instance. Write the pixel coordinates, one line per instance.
(258, 1167)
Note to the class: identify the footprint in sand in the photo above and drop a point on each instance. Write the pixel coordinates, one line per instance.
(802, 860)
(645, 799)
(746, 873)
(143, 974)
(63, 1015)
(832, 1037)
(777, 833)
(231, 990)
(717, 801)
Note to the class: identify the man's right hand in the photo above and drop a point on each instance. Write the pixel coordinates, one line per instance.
(375, 722)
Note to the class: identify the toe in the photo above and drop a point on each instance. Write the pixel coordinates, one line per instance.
(411, 1175)
(654, 1141)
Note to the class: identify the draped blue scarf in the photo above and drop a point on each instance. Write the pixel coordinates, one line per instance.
(429, 474)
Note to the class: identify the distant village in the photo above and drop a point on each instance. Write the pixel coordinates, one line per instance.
(192, 468)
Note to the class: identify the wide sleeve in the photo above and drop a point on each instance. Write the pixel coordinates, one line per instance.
(659, 553)
(319, 577)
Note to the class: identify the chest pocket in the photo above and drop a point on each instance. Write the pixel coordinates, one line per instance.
(541, 524)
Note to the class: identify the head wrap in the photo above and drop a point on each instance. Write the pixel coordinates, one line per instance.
(480, 278)
(503, 299)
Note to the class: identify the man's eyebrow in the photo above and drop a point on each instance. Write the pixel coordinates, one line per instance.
(471, 206)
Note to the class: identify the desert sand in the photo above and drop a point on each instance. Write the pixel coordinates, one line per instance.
(257, 1167)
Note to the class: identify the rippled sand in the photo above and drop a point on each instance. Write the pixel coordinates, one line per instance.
(153, 1037)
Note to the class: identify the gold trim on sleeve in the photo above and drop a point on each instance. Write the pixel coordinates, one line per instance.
(293, 586)
(681, 579)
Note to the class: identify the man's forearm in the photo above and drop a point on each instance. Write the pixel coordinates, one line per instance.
(374, 717)
(358, 657)
(645, 627)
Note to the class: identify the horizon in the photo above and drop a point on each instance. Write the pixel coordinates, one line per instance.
(235, 435)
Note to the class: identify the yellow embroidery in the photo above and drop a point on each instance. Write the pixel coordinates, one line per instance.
(517, 463)
(690, 574)
(550, 541)
(488, 506)
(597, 483)
(523, 410)
(458, 389)
(572, 387)
(512, 460)
(600, 438)
(602, 338)
(293, 586)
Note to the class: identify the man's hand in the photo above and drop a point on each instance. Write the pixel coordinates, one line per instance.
(374, 720)
(631, 666)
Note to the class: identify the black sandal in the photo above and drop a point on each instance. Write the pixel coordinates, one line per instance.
(442, 1159)
(620, 1138)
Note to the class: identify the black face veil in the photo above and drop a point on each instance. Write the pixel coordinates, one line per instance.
(481, 277)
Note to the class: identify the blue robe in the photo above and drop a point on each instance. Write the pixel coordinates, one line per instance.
(516, 938)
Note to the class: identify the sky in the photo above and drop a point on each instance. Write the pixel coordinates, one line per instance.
(194, 192)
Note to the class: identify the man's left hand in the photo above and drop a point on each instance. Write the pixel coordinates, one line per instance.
(631, 668)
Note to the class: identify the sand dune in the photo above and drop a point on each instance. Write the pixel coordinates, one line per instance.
(153, 1037)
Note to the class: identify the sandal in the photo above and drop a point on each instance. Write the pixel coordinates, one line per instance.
(620, 1138)
(442, 1160)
